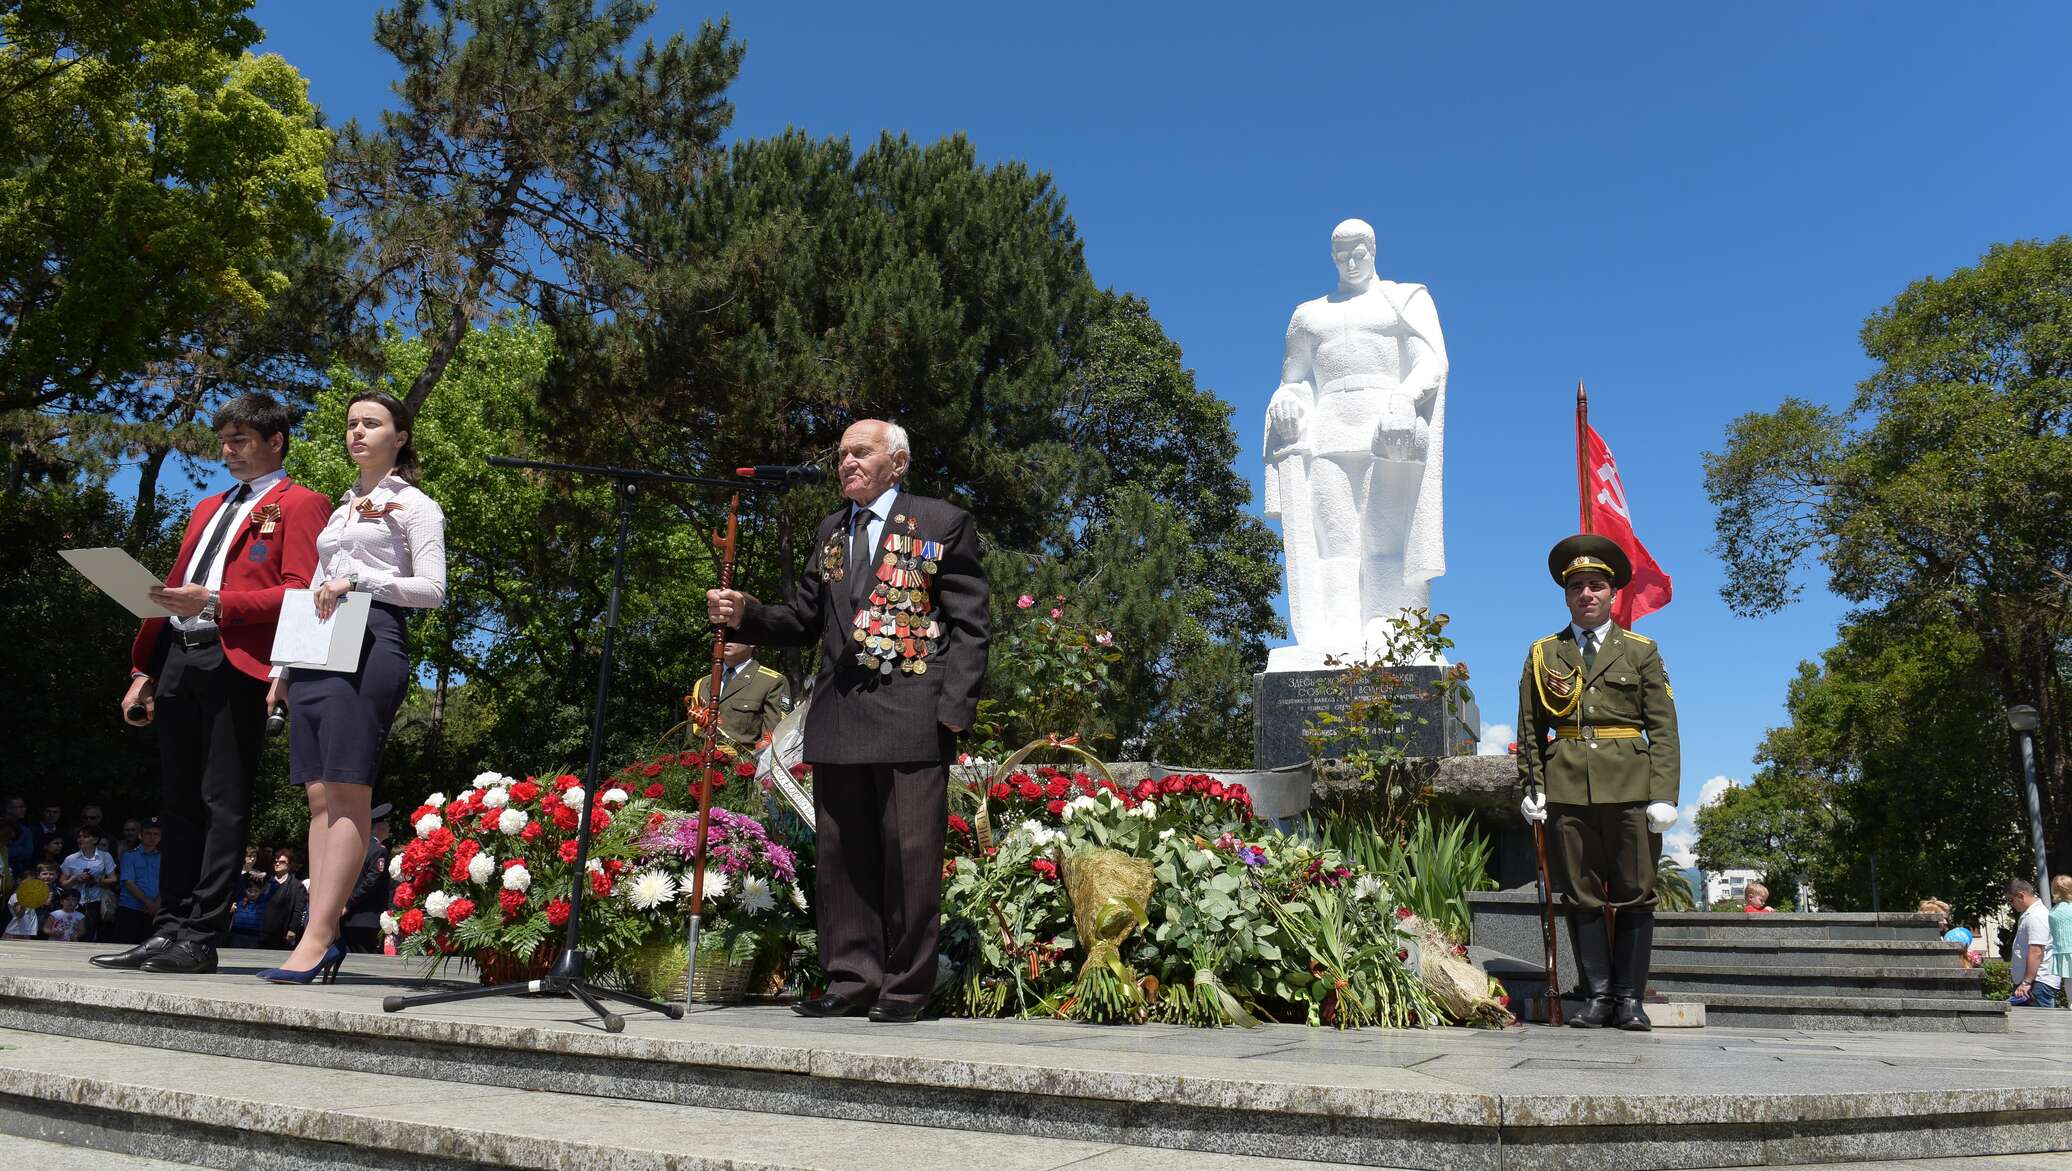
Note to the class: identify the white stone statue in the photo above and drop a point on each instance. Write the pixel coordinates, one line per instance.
(1355, 446)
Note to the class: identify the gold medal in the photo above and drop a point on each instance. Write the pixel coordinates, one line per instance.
(920, 666)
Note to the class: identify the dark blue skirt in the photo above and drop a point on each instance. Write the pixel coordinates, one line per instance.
(339, 724)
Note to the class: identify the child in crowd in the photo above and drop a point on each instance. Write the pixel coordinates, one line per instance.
(1758, 900)
(66, 924)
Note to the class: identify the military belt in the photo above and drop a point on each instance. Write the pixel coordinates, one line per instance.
(1598, 732)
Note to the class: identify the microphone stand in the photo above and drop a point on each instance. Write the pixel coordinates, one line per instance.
(566, 977)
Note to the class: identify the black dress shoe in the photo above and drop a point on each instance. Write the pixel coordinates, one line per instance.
(184, 957)
(1595, 1015)
(1632, 1017)
(830, 1005)
(887, 1012)
(134, 957)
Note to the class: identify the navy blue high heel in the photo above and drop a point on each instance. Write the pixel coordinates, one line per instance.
(325, 971)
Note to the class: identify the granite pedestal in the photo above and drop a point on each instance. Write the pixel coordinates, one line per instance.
(1284, 702)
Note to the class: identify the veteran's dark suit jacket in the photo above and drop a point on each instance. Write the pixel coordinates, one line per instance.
(860, 715)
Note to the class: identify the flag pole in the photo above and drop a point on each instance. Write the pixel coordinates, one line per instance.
(1583, 456)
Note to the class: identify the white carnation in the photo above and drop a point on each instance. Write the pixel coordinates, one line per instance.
(436, 800)
(1080, 804)
(1146, 810)
(389, 926)
(396, 867)
(517, 878)
(481, 867)
(435, 904)
(512, 821)
(615, 796)
(756, 898)
(485, 780)
(427, 824)
(650, 889)
(496, 798)
(573, 798)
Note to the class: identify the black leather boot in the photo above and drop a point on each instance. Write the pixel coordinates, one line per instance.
(1630, 952)
(1593, 968)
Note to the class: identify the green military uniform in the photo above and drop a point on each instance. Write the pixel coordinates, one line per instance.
(751, 701)
(1597, 737)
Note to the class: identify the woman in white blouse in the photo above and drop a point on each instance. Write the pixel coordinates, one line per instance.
(387, 539)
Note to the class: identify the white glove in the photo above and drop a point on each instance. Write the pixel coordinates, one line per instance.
(1534, 807)
(1661, 815)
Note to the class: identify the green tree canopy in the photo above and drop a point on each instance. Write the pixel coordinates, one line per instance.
(1940, 493)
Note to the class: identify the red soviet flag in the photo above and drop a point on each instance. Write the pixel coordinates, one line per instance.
(1611, 516)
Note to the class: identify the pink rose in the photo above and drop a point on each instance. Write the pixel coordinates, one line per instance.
(1024, 602)
(1057, 613)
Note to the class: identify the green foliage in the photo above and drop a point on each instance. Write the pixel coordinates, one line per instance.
(527, 137)
(1673, 888)
(1779, 826)
(154, 179)
(1371, 740)
(1938, 494)
(1048, 672)
(1996, 980)
(1430, 870)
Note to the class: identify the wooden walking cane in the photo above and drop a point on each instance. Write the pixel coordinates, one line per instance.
(1539, 846)
(725, 545)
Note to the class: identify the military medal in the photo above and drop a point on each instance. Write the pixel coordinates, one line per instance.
(267, 517)
(831, 566)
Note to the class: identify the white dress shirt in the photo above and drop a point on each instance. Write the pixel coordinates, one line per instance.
(1575, 633)
(213, 578)
(398, 553)
(881, 511)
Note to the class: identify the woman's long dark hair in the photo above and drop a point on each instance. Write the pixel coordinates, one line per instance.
(406, 455)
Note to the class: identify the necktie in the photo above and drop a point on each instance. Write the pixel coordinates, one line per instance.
(1589, 650)
(199, 574)
(860, 558)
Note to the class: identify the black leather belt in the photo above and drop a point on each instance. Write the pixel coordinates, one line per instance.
(191, 639)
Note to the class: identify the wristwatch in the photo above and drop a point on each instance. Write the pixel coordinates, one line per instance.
(210, 608)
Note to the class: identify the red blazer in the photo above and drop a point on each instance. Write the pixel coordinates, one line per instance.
(254, 577)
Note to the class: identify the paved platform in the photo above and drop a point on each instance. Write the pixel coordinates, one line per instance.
(227, 1054)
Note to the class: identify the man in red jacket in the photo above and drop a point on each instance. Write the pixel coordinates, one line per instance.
(202, 676)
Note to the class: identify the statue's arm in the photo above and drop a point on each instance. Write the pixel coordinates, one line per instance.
(1426, 346)
(1287, 413)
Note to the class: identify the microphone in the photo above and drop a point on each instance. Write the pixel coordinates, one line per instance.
(788, 473)
(276, 720)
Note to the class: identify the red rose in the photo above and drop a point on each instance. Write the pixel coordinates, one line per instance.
(1000, 791)
(1058, 787)
(405, 895)
(655, 792)
(568, 851)
(557, 912)
(1045, 867)
(1031, 791)
(411, 923)
(531, 832)
(959, 824)
(744, 768)
(459, 909)
(512, 901)
(949, 868)
(1403, 953)
(688, 759)
(1057, 808)
(1404, 912)
(653, 770)
(524, 791)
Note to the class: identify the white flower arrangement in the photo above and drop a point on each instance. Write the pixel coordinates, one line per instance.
(496, 798)
(486, 780)
(1367, 886)
(616, 796)
(1040, 835)
(435, 904)
(482, 867)
(1165, 833)
(512, 821)
(396, 866)
(756, 898)
(1078, 805)
(650, 889)
(389, 926)
(518, 878)
(573, 798)
(427, 824)
(436, 800)
(798, 895)
(716, 884)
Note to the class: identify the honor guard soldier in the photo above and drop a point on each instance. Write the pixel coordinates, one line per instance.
(752, 697)
(1597, 758)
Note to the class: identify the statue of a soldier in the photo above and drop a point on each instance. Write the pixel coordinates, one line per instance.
(1598, 760)
(1354, 453)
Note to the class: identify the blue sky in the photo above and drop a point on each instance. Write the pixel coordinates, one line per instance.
(1692, 208)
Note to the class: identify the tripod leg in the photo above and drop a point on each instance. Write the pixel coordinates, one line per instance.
(673, 1011)
(613, 1022)
(399, 1003)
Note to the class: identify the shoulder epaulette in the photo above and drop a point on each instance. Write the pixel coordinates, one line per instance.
(1548, 639)
(1640, 638)
(762, 670)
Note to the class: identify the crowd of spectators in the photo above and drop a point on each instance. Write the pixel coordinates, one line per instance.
(104, 888)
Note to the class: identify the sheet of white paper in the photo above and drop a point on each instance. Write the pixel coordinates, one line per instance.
(121, 577)
(301, 639)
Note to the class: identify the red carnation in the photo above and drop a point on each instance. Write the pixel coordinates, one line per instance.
(524, 791)
(439, 841)
(613, 866)
(600, 884)
(566, 781)
(600, 819)
(405, 895)
(458, 872)
(1404, 912)
(489, 820)
(557, 912)
(459, 909)
(568, 851)
(564, 817)
(421, 811)
(1045, 867)
(657, 820)
(456, 809)
(531, 832)
(512, 901)
(654, 792)
(411, 923)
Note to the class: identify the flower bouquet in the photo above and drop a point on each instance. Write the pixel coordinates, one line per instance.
(487, 878)
(755, 907)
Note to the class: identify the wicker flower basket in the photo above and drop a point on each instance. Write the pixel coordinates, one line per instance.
(498, 967)
(658, 970)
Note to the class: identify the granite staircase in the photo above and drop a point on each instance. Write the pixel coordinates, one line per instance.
(1817, 971)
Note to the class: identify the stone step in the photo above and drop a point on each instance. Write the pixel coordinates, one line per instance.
(1734, 926)
(158, 1106)
(1702, 977)
(1876, 1014)
(68, 1154)
(1832, 953)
